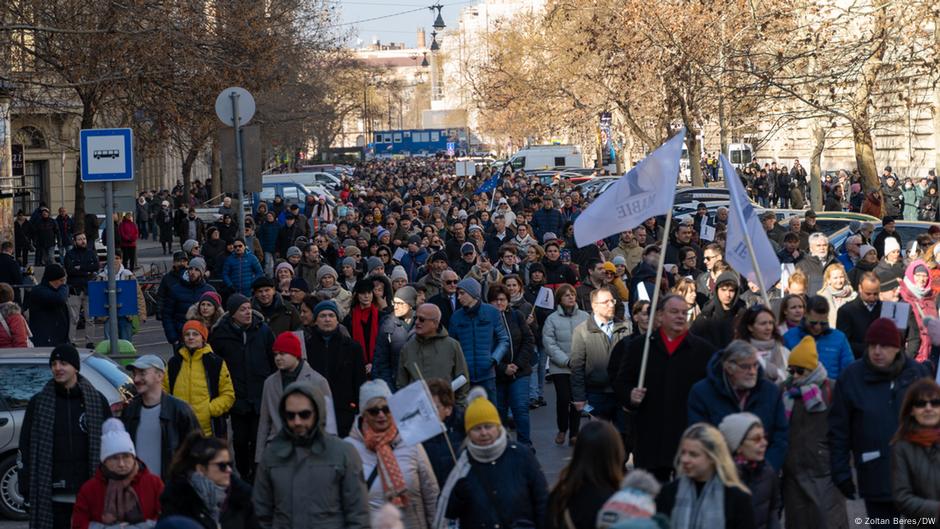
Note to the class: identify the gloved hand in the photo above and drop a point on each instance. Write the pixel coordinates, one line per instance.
(847, 488)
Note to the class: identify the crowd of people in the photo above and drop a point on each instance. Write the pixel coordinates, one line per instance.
(752, 409)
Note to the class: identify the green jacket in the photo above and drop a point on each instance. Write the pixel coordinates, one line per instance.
(439, 356)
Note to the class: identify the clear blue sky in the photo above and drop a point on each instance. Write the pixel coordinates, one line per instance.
(398, 28)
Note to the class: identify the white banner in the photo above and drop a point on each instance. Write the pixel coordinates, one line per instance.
(737, 254)
(646, 191)
(415, 413)
(545, 299)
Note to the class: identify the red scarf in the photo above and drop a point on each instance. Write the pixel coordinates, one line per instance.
(670, 344)
(359, 316)
(925, 437)
(393, 481)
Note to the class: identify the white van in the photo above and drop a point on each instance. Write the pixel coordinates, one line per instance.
(540, 157)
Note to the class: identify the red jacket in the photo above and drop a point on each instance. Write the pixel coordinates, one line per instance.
(128, 234)
(89, 503)
(18, 329)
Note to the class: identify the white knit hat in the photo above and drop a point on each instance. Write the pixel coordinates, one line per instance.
(734, 428)
(373, 389)
(891, 244)
(115, 439)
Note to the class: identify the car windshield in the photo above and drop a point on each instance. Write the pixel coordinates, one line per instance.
(19, 382)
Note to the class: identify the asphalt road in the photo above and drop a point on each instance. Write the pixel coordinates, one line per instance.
(551, 456)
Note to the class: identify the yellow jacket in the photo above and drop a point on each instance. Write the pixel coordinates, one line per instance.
(191, 386)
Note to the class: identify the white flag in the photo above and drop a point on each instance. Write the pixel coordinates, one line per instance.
(737, 255)
(545, 299)
(646, 191)
(415, 413)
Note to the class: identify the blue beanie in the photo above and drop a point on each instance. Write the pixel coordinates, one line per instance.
(327, 304)
(470, 286)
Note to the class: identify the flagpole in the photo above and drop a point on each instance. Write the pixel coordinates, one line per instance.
(654, 298)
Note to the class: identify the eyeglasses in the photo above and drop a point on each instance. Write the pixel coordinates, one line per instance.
(798, 371)
(451, 281)
(304, 415)
(376, 411)
(606, 302)
(922, 403)
(223, 466)
(822, 324)
(709, 257)
(747, 367)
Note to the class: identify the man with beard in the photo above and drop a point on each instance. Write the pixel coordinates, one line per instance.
(292, 466)
(680, 239)
(814, 264)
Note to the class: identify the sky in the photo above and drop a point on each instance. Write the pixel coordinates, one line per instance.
(397, 28)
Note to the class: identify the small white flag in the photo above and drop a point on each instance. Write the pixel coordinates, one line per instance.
(545, 299)
(646, 191)
(415, 413)
(707, 233)
(399, 253)
(896, 312)
(743, 224)
(641, 291)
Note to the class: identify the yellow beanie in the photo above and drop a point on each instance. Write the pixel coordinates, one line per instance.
(804, 354)
(480, 411)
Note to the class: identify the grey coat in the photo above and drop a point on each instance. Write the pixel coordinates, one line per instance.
(439, 356)
(269, 423)
(421, 484)
(305, 487)
(915, 480)
(590, 354)
(556, 338)
(810, 499)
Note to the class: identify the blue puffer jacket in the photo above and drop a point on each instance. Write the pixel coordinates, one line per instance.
(482, 337)
(267, 235)
(833, 347)
(180, 296)
(712, 399)
(393, 333)
(412, 262)
(520, 489)
(547, 220)
(863, 418)
(240, 272)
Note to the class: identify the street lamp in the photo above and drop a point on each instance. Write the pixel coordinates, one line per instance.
(424, 61)
(439, 21)
(434, 45)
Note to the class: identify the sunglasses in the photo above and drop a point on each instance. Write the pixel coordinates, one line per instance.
(793, 370)
(922, 403)
(451, 281)
(223, 466)
(291, 415)
(822, 324)
(239, 245)
(376, 411)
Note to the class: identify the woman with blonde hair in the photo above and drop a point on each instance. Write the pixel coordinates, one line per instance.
(534, 253)
(686, 288)
(707, 492)
(836, 289)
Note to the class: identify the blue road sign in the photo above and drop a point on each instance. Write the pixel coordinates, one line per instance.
(107, 155)
(98, 298)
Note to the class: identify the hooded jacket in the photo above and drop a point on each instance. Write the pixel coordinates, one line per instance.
(196, 384)
(713, 399)
(180, 296)
(437, 356)
(290, 472)
(15, 331)
(247, 353)
(833, 347)
(716, 324)
(269, 424)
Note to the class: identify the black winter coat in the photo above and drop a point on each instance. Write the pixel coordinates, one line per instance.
(663, 414)
(44, 233)
(11, 274)
(715, 324)
(180, 296)
(179, 498)
(247, 353)
(853, 319)
(928, 207)
(739, 514)
(339, 359)
(49, 315)
(177, 421)
(764, 485)
(81, 266)
(557, 272)
(521, 347)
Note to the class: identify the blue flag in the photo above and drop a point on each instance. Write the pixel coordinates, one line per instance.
(490, 184)
(743, 223)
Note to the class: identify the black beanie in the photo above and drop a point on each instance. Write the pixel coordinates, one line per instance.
(234, 301)
(53, 272)
(66, 353)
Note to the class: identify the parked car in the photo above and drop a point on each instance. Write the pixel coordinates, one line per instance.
(908, 229)
(23, 373)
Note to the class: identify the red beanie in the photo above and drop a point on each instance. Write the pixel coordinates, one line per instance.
(883, 332)
(287, 342)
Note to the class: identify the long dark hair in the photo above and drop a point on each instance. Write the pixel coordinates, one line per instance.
(924, 388)
(597, 461)
(746, 318)
(195, 450)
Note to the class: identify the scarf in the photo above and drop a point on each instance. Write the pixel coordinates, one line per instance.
(515, 299)
(121, 503)
(925, 437)
(40, 453)
(482, 454)
(923, 305)
(808, 390)
(393, 481)
(699, 510)
(770, 352)
(212, 495)
(325, 293)
(359, 317)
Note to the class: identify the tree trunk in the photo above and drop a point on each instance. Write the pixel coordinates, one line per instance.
(88, 122)
(865, 157)
(815, 165)
(723, 125)
(695, 157)
(936, 118)
(188, 162)
(216, 188)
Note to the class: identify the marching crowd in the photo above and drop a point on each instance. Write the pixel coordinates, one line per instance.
(752, 409)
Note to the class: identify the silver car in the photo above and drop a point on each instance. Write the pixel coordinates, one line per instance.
(23, 373)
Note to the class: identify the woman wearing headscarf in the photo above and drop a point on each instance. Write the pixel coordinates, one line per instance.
(496, 483)
(916, 291)
(123, 494)
(810, 498)
(395, 472)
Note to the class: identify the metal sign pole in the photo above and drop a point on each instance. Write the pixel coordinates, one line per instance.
(239, 166)
(112, 283)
